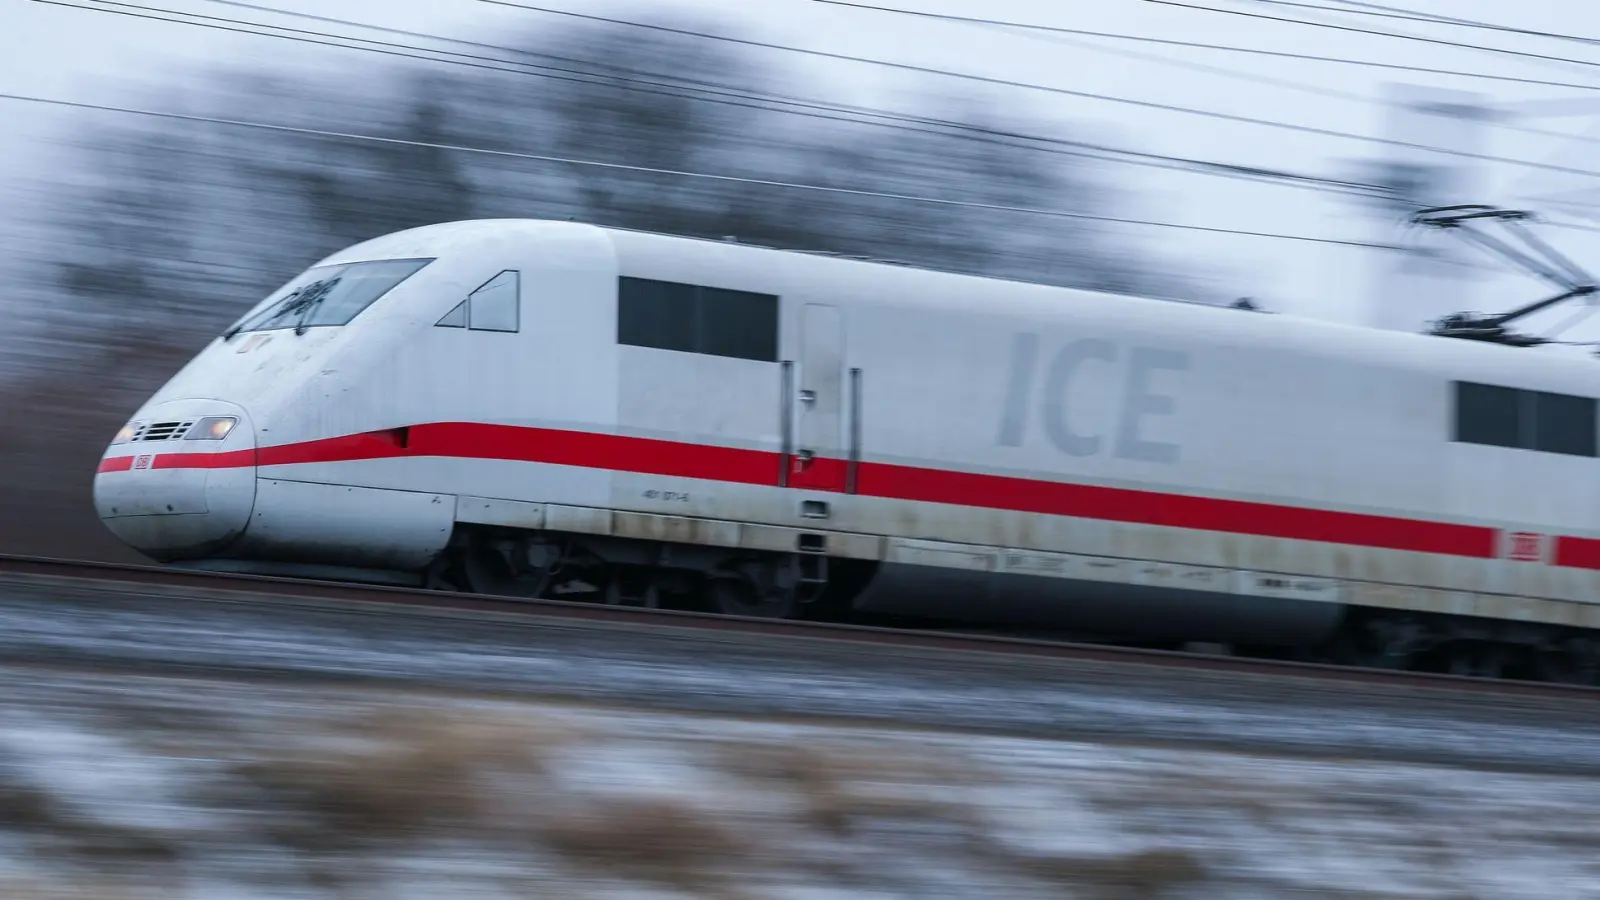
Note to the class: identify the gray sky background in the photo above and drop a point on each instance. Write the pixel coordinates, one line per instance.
(72, 54)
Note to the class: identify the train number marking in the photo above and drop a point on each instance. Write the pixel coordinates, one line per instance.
(143, 461)
(1525, 546)
(1138, 401)
(667, 496)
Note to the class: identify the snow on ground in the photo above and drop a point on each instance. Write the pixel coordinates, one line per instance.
(123, 787)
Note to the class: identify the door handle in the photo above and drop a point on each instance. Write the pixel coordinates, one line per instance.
(808, 396)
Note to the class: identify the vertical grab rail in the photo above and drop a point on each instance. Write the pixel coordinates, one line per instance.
(786, 422)
(855, 432)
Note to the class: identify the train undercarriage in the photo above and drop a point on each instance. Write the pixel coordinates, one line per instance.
(660, 575)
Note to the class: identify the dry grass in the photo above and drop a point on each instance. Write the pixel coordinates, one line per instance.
(406, 774)
(843, 790)
(353, 794)
(75, 889)
(650, 839)
(25, 807)
(1266, 805)
(421, 774)
(32, 810)
(1130, 876)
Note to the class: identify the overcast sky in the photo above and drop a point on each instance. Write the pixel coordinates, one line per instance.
(73, 54)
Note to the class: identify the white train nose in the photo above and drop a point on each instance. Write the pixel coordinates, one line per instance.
(179, 481)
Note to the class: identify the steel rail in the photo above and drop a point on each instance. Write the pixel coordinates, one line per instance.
(282, 591)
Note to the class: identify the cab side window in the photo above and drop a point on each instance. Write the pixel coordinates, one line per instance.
(494, 306)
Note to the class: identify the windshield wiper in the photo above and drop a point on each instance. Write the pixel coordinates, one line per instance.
(288, 305)
(308, 301)
(300, 303)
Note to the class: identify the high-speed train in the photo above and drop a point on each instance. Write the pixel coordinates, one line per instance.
(553, 409)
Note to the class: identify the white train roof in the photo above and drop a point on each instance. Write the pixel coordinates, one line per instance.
(749, 267)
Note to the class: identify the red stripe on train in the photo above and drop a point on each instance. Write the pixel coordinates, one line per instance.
(726, 464)
(232, 459)
(1577, 552)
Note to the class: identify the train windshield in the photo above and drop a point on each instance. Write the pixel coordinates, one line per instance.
(329, 295)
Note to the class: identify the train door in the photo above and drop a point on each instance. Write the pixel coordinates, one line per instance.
(819, 459)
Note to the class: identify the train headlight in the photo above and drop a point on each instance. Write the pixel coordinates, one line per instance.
(211, 428)
(125, 433)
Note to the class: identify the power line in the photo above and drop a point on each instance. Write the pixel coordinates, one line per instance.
(1178, 62)
(706, 176)
(1143, 158)
(1058, 34)
(1129, 101)
(718, 94)
(1572, 225)
(1390, 12)
(1557, 63)
(593, 78)
(1110, 154)
(1224, 48)
(1064, 36)
(1372, 31)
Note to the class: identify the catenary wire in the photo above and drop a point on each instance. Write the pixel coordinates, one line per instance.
(1060, 35)
(1154, 160)
(1177, 4)
(1212, 167)
(596, 78)
(1390, 12)
(1224, 48)
(1129, 101)
(1112, 154)
(1200, 166)
(1242, 171)
(719, 94)
(706, 176)
(1057, 145)
(1549, 64)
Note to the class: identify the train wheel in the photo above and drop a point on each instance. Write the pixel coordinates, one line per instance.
(632, 586)
(734, 596)
(1575, 661)
(484, 568)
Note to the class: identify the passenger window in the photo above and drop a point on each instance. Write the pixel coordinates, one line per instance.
(1487, 414)
(688, 318)
(496, 305)
(657, 314)
(1563, 424)
(1526, 420)
(739, 324)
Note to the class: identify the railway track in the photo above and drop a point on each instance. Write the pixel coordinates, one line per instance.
(288, 592)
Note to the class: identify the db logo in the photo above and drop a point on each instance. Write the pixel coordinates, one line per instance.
(142, 462)
(1525, 546)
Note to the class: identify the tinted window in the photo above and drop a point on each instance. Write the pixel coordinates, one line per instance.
(331, 295)
(1487, 414)
(694, 319)
(738, 324)
(656, 314)
(1563, 424)
(1525, 420)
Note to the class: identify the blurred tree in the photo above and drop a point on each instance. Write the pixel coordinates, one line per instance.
(367, 189)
